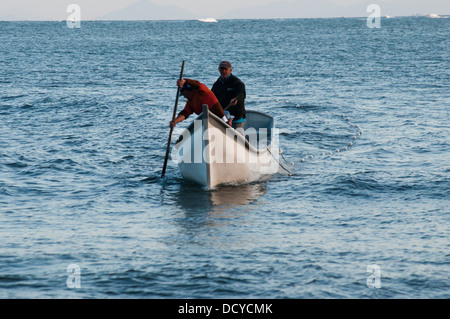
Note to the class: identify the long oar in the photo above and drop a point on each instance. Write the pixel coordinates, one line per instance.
(171, 128)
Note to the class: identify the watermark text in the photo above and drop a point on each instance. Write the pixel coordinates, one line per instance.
(374, 279)
(374, 20)
(74, 19)
(74, 278)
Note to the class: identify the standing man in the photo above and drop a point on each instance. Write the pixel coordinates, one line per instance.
(197, 94)
(230, 91)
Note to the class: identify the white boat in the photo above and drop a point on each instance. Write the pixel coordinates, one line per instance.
(210, 152)
(207, 20)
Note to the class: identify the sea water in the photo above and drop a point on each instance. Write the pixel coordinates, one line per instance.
(363, 119)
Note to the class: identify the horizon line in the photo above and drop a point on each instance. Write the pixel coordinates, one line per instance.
(274, 18)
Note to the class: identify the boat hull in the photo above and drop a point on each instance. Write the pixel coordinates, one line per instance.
(210, 152)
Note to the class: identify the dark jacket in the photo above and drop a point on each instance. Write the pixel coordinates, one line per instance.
(226, 90)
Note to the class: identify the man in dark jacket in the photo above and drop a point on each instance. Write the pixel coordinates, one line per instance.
(230, 91)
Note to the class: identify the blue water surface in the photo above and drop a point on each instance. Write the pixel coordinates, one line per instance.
(363, 119)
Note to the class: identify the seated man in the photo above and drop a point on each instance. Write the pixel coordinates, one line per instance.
(230, 91)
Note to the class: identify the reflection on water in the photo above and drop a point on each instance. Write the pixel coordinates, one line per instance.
(237, 195)
(196, 198)
(213, 208)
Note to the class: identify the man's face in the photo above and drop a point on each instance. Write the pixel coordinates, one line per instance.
(224, 72)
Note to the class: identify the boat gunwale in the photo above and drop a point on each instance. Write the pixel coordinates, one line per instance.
(247, 144)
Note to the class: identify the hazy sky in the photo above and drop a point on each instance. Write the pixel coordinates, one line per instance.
(96, 8)
(92, 9)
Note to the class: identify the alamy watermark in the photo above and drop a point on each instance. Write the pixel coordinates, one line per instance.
(374, 279)
(74, 278)
(374, 20)
(74, 19)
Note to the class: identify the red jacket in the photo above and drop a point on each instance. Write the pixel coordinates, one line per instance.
(201, 95)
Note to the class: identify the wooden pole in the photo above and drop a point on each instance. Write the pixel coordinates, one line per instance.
(171, 128)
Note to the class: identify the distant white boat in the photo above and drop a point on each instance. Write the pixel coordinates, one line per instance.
(432, 15)
(207, 20)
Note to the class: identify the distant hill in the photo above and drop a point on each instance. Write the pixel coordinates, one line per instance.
(330, 8)
(146, 10)
(285, 9)
(17, 14)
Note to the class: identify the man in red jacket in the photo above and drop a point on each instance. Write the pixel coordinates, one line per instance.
(197, 94)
